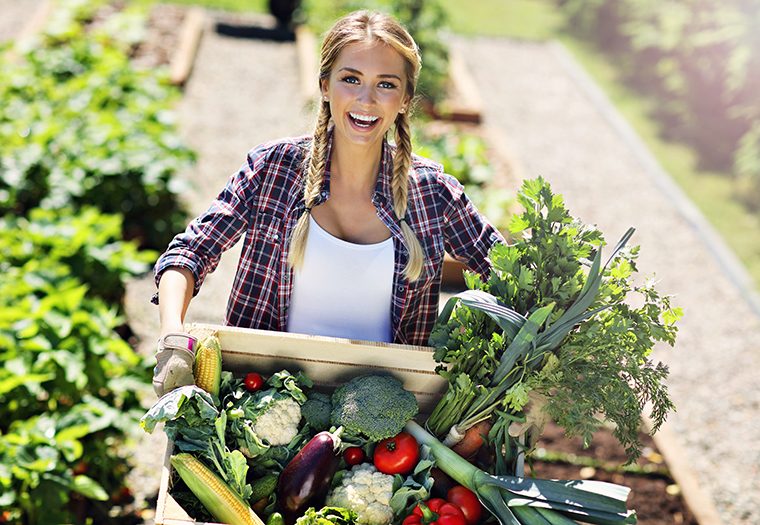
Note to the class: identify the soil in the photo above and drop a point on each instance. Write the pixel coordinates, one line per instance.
(654, 495)
(161, 38)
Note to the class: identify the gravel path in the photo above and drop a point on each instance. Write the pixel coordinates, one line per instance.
(560, 130)
(13, 15)
(242, 92)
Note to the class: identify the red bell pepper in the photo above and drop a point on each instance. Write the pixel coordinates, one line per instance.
(437, 511)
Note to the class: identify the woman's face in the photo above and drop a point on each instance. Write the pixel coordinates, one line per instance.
(366, 91)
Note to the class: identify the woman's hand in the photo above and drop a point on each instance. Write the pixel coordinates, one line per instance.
(176, 348)
(174, 362)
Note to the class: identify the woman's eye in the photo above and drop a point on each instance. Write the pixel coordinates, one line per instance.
(387, 85)
(351, 79)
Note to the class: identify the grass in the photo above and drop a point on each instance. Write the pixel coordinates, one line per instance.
(710, 191)
(240, 6)
(524, 19)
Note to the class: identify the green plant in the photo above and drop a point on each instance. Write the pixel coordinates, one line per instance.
(70, 391)
(543, 338)
(88, 242)
(465, 157)
(79, 126)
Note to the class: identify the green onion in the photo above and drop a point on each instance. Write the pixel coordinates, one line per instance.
(521, 501)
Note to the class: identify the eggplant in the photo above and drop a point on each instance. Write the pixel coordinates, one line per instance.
(306, 479)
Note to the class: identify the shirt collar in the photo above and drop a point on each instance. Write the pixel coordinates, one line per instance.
(385, 172)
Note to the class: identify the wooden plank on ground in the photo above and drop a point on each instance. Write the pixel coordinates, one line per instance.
(189, 39)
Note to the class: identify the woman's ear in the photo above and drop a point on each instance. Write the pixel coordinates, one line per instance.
(324, 86)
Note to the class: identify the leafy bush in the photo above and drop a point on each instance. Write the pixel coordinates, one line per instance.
(69, 390)
(699, 60)
(80, 126)
(88, 242)
(424, 19)
(81, 132)
(465, 157)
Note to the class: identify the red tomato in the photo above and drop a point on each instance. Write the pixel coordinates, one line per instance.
(353, 455)
(435, 512)
(397, 455)
(253, 381)
(466, 500)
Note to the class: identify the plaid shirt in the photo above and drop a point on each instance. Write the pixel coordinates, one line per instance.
(264, 200)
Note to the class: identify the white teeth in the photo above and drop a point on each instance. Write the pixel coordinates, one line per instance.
(363, 118)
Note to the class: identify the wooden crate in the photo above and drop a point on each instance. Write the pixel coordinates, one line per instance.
(328, 361)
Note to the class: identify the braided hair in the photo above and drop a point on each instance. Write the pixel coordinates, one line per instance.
(364, 26)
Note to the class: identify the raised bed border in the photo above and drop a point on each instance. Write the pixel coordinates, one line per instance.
(181, 62)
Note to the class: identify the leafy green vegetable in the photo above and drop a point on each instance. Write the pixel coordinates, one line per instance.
(542, 323)
(372, 407)
(327, 516)
(415, 487)
(190, 405)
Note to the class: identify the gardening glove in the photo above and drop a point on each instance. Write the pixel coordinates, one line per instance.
(174, 362)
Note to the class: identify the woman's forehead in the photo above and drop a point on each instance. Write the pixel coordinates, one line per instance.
(371, 57)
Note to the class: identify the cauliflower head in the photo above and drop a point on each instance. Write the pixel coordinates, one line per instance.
(367, 492)
(279, 423)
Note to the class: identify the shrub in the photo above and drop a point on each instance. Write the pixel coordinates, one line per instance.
(70, 391)
(79, 126)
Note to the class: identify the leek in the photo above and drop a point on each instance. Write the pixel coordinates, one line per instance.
(520, 501)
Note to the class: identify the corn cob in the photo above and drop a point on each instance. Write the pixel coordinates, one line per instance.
(208, 365)
(220, 500)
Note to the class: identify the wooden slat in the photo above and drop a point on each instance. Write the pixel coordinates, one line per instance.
(328, 361)
(189, 38)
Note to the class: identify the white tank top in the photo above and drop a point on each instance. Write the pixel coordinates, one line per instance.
(343, 289)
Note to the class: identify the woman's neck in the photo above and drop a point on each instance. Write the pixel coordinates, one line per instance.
(355, 167)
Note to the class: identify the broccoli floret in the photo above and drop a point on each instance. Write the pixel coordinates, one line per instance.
(316, 411)
(373, 407)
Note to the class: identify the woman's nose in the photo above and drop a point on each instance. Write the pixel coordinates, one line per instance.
(367, 94)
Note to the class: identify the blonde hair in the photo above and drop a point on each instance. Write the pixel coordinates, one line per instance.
(364, 26)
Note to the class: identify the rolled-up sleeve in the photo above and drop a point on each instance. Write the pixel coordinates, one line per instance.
(200, 246)
(468, 235)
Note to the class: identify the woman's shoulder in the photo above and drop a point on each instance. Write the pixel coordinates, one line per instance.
(282, 149)
(429, 173)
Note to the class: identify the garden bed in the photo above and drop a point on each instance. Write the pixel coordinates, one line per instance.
(654, 495)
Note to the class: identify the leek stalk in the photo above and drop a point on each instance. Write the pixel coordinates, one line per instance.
(520, 501)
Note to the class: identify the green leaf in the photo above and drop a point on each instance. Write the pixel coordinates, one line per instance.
(177, 403)
(11, 383)
(89, 488)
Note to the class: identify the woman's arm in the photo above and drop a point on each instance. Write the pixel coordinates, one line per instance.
(176, 290)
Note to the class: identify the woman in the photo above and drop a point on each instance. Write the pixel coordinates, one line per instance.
(344, 233)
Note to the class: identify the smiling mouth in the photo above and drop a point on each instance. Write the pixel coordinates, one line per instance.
(363, 121)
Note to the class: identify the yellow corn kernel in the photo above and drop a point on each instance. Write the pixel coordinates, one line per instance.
(219, 499)
(208, 365)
